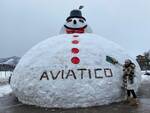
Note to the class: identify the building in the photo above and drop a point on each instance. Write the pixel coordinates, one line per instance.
(5, 72)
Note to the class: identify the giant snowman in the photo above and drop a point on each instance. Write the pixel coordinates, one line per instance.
(70, 70)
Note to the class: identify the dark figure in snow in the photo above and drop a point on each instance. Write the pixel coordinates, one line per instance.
(9, 79)
(129, 81)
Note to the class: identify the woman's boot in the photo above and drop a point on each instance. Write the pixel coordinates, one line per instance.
(128, 99)
(134, 102)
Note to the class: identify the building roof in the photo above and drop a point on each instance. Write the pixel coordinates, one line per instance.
(6, 67)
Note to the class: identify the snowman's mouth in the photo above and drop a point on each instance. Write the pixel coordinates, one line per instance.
(75, 30)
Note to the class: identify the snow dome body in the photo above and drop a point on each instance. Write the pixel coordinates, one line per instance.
(71, 70)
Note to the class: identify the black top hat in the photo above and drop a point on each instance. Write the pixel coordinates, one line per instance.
(76, 13)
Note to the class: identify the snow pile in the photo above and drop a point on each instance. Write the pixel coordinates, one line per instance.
(143, 72)
(5, 90)
(145, 78)
(45, 76)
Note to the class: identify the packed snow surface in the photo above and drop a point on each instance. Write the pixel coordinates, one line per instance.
(5, 90)
(145, 78)
(46, 77)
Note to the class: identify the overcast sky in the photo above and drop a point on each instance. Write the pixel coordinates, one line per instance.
(24, 23)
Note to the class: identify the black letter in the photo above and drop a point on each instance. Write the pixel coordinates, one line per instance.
(54, 77)
(95, 71)
(89, 73)
(44, 75)
(82, 72)
(108, 72)
(62, 74)
(71, 73)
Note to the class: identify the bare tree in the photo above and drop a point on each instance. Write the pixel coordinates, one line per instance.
(147, 59)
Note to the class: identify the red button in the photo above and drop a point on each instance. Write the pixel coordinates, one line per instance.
(75, 60)
(75, 41)
(75, 50)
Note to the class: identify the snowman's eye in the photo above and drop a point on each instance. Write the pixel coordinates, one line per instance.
(69, 20)
(81, 21)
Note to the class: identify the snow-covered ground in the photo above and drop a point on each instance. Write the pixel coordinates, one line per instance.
(145, 78)
(5, 90)
(143, 72)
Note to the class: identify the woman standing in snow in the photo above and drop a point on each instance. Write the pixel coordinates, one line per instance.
(129, 81)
